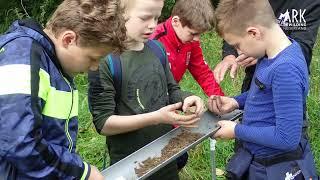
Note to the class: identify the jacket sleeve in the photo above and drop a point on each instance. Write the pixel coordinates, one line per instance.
(241, 99)
(306, 38)
(23, 145)
(101, 95)
(202, 72)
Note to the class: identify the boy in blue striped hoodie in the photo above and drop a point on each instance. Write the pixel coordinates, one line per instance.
(275, 146)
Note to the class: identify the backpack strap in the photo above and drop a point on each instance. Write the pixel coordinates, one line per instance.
(158, 50)
(114, 64)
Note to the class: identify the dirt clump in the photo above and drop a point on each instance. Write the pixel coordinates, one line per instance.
(174, 146)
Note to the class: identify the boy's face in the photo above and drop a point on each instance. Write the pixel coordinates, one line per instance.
(184, 33)
(143, 18)
(251, 43)
(76, 59)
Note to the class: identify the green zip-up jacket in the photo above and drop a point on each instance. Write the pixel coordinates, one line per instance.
(147, 86)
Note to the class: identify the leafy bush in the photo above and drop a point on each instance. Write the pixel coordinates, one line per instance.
(166, 11)
(41, 10)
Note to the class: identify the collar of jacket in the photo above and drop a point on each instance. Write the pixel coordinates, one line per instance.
(42, 38)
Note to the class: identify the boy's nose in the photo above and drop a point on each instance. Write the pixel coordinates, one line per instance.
(196, 38)
(152, 24)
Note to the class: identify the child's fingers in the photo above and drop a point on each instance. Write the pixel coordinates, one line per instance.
(175, 106)
(199, 107)
(241, 58)
(184, 118)
(186, 104)
(246, 61)
(191, 126)
(223, 71)
(252, 63)
(215, 108)
(219, 104)
(190, 122)
(233, 70)
(218, 134)
(217, 72)
(209, 103)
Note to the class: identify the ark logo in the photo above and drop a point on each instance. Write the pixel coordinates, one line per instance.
(293, 20)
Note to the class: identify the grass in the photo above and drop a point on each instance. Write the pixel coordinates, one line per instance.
(91, 145)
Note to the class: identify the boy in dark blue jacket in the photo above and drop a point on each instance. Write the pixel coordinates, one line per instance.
(38, 97)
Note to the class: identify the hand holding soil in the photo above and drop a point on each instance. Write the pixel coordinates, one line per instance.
(168, 115)
(193, 101)
(190, 110)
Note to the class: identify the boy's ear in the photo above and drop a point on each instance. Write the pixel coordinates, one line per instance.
(254, 32)
(176, 21)
(68, 38)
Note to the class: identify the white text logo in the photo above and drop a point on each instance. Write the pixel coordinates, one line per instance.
(293, 20)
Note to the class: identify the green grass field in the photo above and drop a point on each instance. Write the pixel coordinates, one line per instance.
(91, 145)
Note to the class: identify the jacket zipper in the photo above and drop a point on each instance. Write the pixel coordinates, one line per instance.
(66, 126)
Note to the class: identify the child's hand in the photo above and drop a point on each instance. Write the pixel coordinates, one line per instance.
(193, 101)
(168, 115)
(95, 174)
(221, 104)
(226, 131)
(246, 61)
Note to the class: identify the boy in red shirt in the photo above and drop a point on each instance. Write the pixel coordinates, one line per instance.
(180, 35)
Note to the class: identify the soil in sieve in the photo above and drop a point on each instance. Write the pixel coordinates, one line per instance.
(174, 146)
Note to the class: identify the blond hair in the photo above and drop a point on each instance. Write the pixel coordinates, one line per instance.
(127, 4)
(96, 22)
(234, 16)
(195, 14)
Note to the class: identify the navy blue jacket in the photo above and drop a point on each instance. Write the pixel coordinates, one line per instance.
(38, 109)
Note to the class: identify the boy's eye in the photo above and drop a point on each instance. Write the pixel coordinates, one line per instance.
(194, 33)
(144, 18)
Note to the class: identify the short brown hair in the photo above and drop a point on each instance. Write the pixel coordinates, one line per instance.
(96, 22)
(195, 14)
(234, 16)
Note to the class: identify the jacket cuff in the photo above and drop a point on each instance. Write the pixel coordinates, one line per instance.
(241, 99)
(239, 130)
(86, 171)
